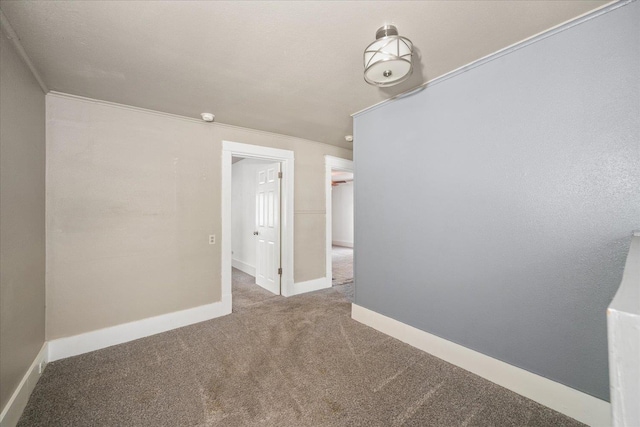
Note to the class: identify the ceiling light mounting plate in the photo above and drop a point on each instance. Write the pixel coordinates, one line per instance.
(386, 30)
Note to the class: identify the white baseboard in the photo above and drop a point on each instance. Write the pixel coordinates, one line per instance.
(310, 286)
(12, 411)
(342, 243)
(95, 340)
(244, 267)
(581, 406)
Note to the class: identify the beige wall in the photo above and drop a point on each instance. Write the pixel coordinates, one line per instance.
(132, 197)
(22, 219)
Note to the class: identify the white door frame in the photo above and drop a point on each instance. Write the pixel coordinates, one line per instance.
(331, 163)
(286, 158)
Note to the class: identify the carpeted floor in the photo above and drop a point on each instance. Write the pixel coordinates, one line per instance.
(298, 361)
(341, 265)
(342, 271)
(245, 291)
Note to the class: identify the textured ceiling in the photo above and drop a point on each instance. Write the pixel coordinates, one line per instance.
(289, 67)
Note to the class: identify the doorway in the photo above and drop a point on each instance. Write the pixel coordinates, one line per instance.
(255, 220)
(274, 269)
(339, 180)
(255, 231)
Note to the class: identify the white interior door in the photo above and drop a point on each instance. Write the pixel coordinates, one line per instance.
(268, 227)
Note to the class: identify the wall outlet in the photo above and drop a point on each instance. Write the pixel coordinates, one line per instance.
(212, 239)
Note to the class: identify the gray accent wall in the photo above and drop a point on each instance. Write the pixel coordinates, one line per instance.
(22, 219)
(495, 208)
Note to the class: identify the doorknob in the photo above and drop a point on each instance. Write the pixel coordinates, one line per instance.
(255, 233)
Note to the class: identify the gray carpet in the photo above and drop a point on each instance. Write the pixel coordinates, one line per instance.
(245, 291)
(341, 265)
(342, 271)
(298, 361)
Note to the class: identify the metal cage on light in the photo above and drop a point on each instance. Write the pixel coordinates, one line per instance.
(387, 61)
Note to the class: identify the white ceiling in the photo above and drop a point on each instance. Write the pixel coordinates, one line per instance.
(292, 67)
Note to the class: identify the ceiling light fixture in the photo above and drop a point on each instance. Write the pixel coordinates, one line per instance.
(348, 138)
(387, 61)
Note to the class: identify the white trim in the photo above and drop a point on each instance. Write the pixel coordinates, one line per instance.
(286, 158)
(12, 411)
(331, 163)
(504, 51)
(311, 285)
(342, 243)
(101, 338)
(244, 267)
(576, 404)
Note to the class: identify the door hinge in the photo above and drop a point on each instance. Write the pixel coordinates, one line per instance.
(280, 271)
(279, 174)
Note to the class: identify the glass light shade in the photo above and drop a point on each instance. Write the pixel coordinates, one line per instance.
(387, 61)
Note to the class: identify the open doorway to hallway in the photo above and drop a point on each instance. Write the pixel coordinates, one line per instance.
(255, 231)
(340, 225)
(262, 222)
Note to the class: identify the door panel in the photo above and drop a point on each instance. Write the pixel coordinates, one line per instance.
(268, 227)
